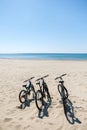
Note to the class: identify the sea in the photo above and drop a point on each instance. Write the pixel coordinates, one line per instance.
(45, 56)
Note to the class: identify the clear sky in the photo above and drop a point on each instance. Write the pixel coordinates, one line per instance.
(53, 26)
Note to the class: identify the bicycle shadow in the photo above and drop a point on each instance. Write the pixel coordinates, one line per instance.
(25, 104)
(69, 112)
(44, 111)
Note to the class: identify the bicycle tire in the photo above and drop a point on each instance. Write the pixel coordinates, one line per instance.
(22, 96)
(63, 94)
(39, 100)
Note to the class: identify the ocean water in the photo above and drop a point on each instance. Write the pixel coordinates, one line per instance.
(45, 56)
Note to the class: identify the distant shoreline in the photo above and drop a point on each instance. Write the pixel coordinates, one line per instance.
(46, 56)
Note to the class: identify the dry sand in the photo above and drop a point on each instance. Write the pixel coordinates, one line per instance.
(12, 75)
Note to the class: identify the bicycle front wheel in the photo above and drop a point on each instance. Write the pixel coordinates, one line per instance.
(39, 100)
(22, 96)
(63, 91)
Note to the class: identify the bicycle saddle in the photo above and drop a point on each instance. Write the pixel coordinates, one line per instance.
(24, 85)
(38, 83)
(61, 81)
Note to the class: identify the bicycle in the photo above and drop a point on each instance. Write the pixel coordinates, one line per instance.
(29, 93)
(42, 95)
(67, 104)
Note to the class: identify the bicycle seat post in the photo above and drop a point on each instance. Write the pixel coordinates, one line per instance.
(61, 80)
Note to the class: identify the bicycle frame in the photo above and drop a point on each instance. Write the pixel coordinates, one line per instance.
(30, 84)
(42, 86)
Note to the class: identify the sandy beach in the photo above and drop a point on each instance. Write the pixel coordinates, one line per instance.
(14, 72)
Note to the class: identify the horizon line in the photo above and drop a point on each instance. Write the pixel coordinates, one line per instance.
(45, 53)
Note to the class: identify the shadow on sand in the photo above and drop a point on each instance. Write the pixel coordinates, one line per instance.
(69, 112)
(44, 111)
(25, 104)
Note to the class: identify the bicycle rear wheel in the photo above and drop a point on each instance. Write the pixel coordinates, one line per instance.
(22, 96)
(63, 91)
(39, 100)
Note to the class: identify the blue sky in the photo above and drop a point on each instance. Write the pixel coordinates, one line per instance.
(53, 26)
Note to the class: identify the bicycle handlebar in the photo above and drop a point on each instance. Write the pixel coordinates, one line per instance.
(42, 77)
(29, 79)
(60, 76)
(63, 75)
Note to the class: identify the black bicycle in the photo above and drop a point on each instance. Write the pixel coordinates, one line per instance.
(28, 93)
(42, 95)
(67, 105)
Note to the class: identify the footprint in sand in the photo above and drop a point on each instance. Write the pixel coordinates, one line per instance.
(85, 118)
(60, 128)
(18, 127)
(50, 123)
(7, 119)
(27, 127)
(20, 118)
(32, 118)
(1, 128)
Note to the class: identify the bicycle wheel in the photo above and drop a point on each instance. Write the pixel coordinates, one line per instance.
(22, 96)
(63, 91)
(39, 100)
